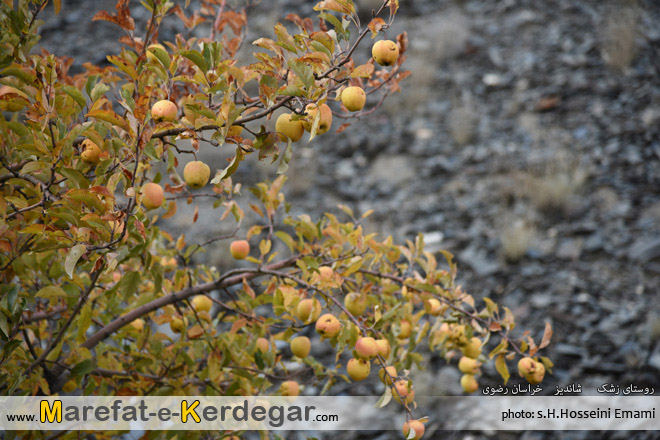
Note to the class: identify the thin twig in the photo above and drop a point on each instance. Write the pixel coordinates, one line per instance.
(67, 324)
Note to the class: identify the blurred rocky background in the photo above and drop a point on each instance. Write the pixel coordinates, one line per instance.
(526, 142)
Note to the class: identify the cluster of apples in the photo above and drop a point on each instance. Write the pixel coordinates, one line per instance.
(196, 173)
(366, 348)
(289, 126)
(456, 337)
(202, 304)
(300, 347)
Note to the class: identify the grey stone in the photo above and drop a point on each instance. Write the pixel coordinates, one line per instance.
(594, 243)
(478, 262)
(392, 169)
(645, 249)
(570, 249)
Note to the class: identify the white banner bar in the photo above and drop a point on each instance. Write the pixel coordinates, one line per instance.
(335, 413)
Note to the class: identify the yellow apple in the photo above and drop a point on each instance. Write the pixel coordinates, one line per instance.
(531, 370)
(308, 310)
(164, 110)
(383, 346)
(536, 376)
(202, 303)
(414, 425)
(152, 195)
(468, 365)
(405, 329)
(91, 153)
(286, 128)
(433, 307)
(526, 366)
(387, 374)
(263, 345)
(290, 388)
(239, 249)
(138, 324)
(169, 264)
(177, 324)
(326, 273)
(325, 119)
(196, 174)
(366, 348)
(353, 98)
(404, 390)
(300, 346)
(385, 52)
(358, 369)
(473, 348)
(457, 334)
(355, 303)
(328, 326)
(469, 383)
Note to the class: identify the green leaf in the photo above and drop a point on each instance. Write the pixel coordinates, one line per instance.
(490, 305)
(196, 58)
(76, 95)
(72, 258)
(231, 168)
(49, 292)
(286, 238)
(98, 91)
(23, 74)
(83, 368)
(385, 398)
(335, 22)
(128, 283)
(84, 321)
(304, 72)
(320, 47)
(18, 128)
(78, 180)
(548, 363)
(11, 296)
(123, 65)
(284, 39)
(111, 117)
(258, 359)
(286, 157)
(10, 347)
(290, 90)
(500, 366)
(501, 348)
(162, 56)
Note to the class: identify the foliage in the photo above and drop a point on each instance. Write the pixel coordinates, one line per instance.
(83, 260)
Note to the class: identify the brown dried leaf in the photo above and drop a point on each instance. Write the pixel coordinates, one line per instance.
(547, 335)
(375, 26)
